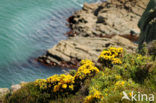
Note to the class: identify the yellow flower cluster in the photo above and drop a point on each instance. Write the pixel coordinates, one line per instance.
(119, 84)
(118, 77)
(87, 69)
(111, 55)
(57, 83)
(93, 97)
(86, 61)
(139, 56)
(41, 83)
(63, 83)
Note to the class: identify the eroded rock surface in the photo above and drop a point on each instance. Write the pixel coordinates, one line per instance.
(68, 53)
(111, 17)
(95, 21)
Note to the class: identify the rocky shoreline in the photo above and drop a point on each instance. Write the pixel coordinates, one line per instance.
(94, 28)
(68, 53)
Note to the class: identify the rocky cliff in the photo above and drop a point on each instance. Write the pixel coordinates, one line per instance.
(67, 53)
(93, 27)
(111, 17)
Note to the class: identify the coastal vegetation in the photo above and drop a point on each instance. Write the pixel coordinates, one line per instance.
(106, 68)
(101, 82)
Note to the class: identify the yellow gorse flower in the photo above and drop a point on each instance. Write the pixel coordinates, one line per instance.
(56, 82)
(118, 77)
(56, 88)
(120, 83)
(64, 86)
(71, 87)
(86, 61)
(61, 83)
(111, 56)
(130, 94)
(116, 61)
(95, 95)
(87, 69)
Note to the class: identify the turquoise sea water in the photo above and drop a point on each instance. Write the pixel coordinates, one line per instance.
(27, 29)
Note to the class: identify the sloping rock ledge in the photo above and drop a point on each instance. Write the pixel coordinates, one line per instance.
(68, 53)
(114, 17)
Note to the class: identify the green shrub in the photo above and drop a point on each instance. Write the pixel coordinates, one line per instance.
(72, 72)
(28, 94)
(136, 73)
(133, 72)
(134, 66)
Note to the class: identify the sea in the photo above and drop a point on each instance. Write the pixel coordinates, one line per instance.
(27, 29)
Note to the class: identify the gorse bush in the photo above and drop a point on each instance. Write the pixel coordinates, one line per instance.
(86, 70)
(110, 56)
(110, 84)
(118, 72)
(135, 66)
(94, 96)
(58, 84)
(135, 73)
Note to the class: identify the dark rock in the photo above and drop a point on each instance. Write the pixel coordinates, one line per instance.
(152, 47)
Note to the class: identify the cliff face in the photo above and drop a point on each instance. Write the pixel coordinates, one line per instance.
(92, 22)
(112, 17)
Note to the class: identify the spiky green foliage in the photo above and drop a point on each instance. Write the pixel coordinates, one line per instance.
(135, 73)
